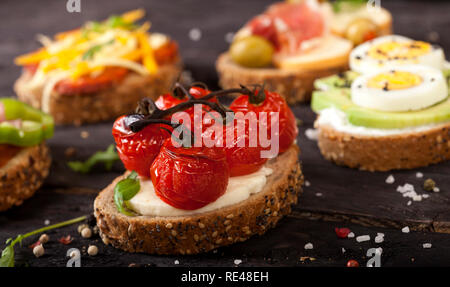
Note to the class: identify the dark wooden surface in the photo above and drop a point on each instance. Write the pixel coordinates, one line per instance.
(361, 201)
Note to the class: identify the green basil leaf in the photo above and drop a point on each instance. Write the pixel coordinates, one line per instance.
(125, 190)
(107, 157)
(7, 259)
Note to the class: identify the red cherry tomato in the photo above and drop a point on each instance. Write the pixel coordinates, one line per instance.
(273, 102)
(189, 178)
(138, 150)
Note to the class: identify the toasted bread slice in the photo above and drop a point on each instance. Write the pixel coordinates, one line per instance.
(204, 231)
(107, 104)
(23, 175)
(295, 85)
(383, 153)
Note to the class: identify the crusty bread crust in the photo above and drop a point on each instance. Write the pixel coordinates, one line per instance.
(118, 99)
(376, 153)
(205, 231)
(23, 175)
(295, 86)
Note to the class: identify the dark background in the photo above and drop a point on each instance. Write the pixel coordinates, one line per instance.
(358, 200)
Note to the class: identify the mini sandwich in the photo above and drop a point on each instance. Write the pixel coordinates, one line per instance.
(391, 111)
(292, 44)
(24, 157)
(192, 199)
(98, 71)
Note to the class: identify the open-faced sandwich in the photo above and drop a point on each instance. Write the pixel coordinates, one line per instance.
(99, 71)
(391, 111)
(191, 198)
(292, 44)
(24, 157)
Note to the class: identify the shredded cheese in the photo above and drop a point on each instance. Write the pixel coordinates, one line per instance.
(116, 42)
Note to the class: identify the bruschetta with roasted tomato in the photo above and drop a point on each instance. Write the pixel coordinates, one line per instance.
(293, 43)
(186, 199)
(24, 157)
(98, 71)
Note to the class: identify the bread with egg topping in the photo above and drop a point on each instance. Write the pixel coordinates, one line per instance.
(204, 231)
(106, 104)
(383, 153)
(22, 175)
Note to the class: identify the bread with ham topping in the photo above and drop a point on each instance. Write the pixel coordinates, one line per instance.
(204, 231)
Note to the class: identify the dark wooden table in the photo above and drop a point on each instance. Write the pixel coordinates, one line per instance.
(361, 201)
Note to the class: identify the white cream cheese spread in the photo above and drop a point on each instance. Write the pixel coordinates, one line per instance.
(338, 121)
(146, 202)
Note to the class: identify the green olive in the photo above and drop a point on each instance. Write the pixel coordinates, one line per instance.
(252, 52)
(361, 30)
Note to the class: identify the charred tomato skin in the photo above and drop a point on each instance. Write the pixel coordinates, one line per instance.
(189, 178)
(138, 150)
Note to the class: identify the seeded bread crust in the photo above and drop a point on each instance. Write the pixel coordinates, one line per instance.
(205, 231)
(23, 175)
(385, 153)
(107, 104)
(295, 86)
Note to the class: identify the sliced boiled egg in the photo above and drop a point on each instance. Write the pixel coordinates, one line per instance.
(393, 51)
(400, 89)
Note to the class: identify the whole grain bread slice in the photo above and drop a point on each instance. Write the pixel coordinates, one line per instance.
(23, 175)
(109, 103)
(205, 231)
(383, 153)
(295, 85)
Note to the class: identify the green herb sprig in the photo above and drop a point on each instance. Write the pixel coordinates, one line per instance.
(125, 190)
(90, 53)
(108, 157)
(7, 258)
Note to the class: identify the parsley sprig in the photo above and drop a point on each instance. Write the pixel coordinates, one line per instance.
(108, 157)
(7, 258)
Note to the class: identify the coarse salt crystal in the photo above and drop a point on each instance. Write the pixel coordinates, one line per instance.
(419, 175)
(343, 250)
(405, 229)
(363, 238)
(237, 261)
(46, 222)
(195, 34)
(427, 245)
(409, 203)
(351, 235)
(417, 198)
(319, 194)
(176, 262)
(312, 134)
(307, 183)
(436, 189)
(390, 179)
(425, 195)
(379, 239)
(309, 246)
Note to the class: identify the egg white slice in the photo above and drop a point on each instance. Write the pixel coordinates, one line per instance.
(362, 62)
(432, 89)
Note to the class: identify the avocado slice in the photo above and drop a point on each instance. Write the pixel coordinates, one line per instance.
(338, 81)
(335, 96)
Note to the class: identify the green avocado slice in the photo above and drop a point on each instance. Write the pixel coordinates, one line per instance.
(335, 95)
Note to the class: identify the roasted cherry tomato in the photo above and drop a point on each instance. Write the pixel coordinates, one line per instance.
(273, 102)
(138, 150)
(167, 101)
(189, 178)
(89, 84)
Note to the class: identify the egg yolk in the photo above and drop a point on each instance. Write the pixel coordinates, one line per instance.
(395, 80)
(399, 51)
